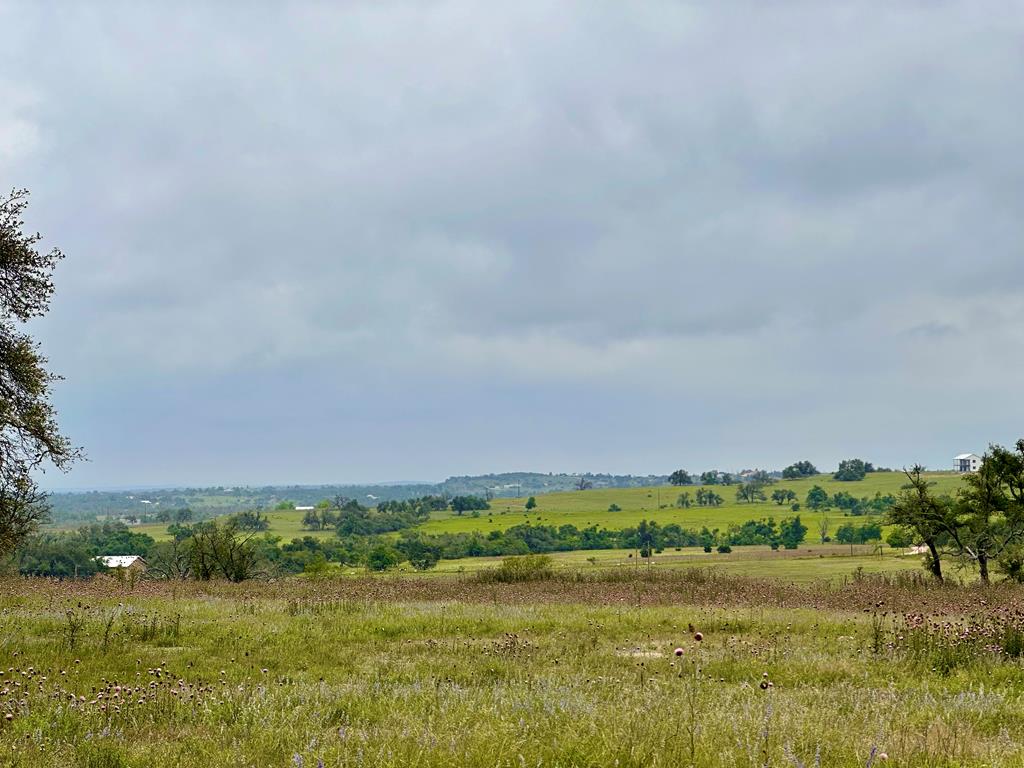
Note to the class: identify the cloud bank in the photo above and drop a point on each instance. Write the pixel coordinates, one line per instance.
(316, 243)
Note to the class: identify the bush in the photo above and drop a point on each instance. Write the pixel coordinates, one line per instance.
(614, 508)
(518, 569)
(382, 557)
(724, 549)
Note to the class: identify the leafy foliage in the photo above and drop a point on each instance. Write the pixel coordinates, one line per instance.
(680, 477)
(29, 435)
(799, 469)
(852, 470)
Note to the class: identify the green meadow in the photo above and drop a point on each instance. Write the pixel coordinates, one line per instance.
(586, 508)
(813, 563)
(682, 667)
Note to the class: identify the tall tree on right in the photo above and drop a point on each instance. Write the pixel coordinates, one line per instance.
(988, 518)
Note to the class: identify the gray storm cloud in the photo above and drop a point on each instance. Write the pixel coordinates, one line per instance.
(688, 235)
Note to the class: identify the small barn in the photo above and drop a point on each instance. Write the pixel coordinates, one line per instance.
(967, 462)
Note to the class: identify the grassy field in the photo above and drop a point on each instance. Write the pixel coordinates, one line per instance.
(585, 508)
(807, 564)
(572, 671)
(286, 524)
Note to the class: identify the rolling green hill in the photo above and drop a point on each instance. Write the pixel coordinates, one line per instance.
(586, 508)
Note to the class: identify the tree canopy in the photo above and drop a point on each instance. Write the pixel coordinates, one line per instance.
(30, 438)
(799, 469)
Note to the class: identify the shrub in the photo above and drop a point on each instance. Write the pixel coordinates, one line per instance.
(518, 569)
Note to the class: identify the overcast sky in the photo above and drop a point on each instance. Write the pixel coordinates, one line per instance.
(398, 240)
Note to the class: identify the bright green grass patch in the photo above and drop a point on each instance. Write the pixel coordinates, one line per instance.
(808, 564)
(586, 508)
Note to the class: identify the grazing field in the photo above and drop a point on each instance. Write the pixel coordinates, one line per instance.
(826, 562)
(575, 670)
(585, 508)
(286, 524)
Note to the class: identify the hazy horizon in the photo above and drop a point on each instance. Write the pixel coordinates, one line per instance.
(313, 243)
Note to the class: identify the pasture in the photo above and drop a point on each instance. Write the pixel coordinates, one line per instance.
(575, 670)
(828, 562)
(586, 508)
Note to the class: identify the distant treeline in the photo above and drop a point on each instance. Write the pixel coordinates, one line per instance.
(204, 503)
(238, 549)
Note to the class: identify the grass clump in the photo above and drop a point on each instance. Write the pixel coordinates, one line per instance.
(519, 569)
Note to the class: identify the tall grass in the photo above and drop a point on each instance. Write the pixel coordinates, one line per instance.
(386, 672)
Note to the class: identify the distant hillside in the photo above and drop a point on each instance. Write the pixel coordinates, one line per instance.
(149, 505)
(512, 484)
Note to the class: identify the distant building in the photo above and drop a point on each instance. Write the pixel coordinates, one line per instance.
(304, 509)
(967, 462)
(128, 562)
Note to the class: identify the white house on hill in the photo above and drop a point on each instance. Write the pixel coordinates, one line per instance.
(967, 462)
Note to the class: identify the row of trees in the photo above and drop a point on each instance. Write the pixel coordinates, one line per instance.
(705, 497)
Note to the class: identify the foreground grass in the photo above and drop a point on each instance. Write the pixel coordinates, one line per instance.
(575, 671)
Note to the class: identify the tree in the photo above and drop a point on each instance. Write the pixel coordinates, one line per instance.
(848, 533)
(680, 477)
(817, 498)
(583, 484)
(531, 503)
(221, 551)
(708, 498)
(421, 555)
(792, 532)
(928, 516)
(823, 527)
(251, 520)
(852, 469)
(170, 560)
(750, 492)
(710, 477)
(684, 500)
(783, 496)
(462, 504)
(799, 469)
(900, 538)
(29, 435)
(382, 557)
(726, 478)
(988, 514)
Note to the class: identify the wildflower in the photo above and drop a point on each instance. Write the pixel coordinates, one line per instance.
(698, 636)
(679, 651)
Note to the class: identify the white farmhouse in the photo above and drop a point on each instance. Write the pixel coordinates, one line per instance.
(967, 462)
